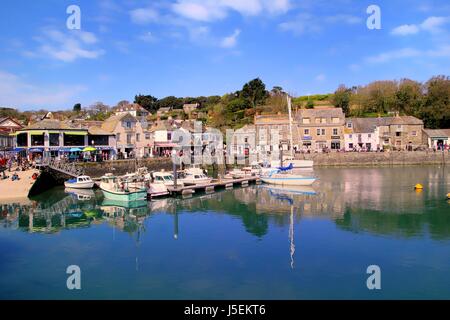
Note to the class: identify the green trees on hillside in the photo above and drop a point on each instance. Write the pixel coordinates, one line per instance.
(429, 101)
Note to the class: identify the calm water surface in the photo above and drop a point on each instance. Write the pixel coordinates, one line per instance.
(252, 243)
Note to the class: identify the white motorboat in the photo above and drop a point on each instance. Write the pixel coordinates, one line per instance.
(81, 182)
(165, 178)
(157, 190)
(194, 176)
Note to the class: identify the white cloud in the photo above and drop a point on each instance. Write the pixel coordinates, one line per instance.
(434, 24)
(211, 10)
(147, 37)
(230, 41)
(17, 92)
(405, 29)
(431, 24)
(66, 46)
(307, 23)
(144, 15)
(344, 18)
(199, 11)
(320, 77)
(395, 54)
(442, 51)
(304, 23)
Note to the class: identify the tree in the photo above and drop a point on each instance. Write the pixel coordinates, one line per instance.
(436, 109)
(409, 97)
(147, 102)
(341, 98)
(123, 103)
(170, 102)
(310, 104)
(77, 107)
(254, 92)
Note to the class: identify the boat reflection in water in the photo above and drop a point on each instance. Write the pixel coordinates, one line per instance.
(81, 194)
(286, 194)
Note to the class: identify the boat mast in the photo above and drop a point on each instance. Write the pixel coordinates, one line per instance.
(290, 125)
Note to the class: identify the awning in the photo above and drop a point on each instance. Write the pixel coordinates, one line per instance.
(18, 149)
(36, 133)
(76, 133)
(32, 150)
(54, 132)
(165, 145)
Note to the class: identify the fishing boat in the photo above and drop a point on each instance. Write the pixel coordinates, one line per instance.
(81, 182)
(122, 188)
(194, 176)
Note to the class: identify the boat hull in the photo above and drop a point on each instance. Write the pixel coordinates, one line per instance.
(288, 181)
(79, 185)
(125, 196)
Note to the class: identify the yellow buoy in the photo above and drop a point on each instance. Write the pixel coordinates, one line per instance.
(418, 186)
(448, 196)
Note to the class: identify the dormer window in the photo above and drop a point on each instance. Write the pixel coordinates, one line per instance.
(349, 125)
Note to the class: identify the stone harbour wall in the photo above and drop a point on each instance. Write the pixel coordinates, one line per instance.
(121, 167)
(393, 158)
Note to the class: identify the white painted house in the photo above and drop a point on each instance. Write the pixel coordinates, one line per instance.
(361, 134)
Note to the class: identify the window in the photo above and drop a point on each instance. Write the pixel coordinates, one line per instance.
(349, 125)
(118, 136)
(398, 134)
(54, 139)
(317, 120)
(369, 136)
(147, 136)
(318, 132)
(350, 145)
(335, 131)
(306, 121)
(306, 132)
(129, 138)
(128, 124)
(323, 132)
(323, 120)
(335, 120)
(138, 137)
(414, 133)
(350, 136)
(169, 136)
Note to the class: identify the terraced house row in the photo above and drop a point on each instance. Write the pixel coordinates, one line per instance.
(327, 128)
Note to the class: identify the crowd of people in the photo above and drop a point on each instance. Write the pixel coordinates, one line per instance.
(13, 163)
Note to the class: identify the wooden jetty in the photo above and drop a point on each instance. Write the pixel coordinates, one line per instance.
(215, 184)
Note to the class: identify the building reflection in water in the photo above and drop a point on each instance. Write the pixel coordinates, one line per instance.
(380, 200)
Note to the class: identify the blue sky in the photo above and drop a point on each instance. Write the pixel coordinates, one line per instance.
(193, 47)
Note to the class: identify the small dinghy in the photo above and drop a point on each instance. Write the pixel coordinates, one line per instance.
(81, 182)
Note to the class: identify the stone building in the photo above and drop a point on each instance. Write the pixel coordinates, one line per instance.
(400, 132)
(320, 128)
(132, 138)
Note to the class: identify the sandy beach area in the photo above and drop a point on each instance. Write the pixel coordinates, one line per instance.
(16, 191)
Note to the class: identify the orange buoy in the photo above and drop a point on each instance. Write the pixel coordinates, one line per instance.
(418, 186)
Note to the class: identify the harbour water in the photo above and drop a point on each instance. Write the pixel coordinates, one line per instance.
(247, 243)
